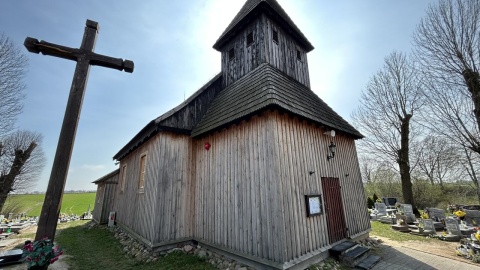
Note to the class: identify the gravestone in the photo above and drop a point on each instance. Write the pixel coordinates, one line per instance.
(407, 210)
(11, 216)
(389, 201)
(381, 208)
(2, 217)
(10, 256)
(428, 225)
(401, 224)
(472, 217)
(454, 233)
(436, 214)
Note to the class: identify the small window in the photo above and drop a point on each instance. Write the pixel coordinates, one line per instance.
(231, 54)
(249, 39)
(299, 55)
(141, 180)
(275, 36)
(123, 176)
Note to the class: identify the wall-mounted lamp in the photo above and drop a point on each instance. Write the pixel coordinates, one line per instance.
(332, 147)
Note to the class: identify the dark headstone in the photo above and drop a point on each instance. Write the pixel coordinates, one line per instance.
(10, 256)
(389, 201)
(436, 214)
(472, 217)
(452, 227)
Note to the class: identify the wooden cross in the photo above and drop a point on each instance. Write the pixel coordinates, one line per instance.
(84, 56)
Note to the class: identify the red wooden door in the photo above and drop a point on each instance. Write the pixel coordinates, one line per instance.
(337, 230)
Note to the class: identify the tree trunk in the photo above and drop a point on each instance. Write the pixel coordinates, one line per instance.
(472, 173)
(472, 79)
(404, 163)
(7, 181)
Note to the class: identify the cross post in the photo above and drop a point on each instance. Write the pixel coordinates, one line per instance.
(84, 56)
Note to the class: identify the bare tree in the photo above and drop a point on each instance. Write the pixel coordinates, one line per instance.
(438, 160)
(12, 71)
(21, 161)
(448, 49)
(471, 164)
(391, 99)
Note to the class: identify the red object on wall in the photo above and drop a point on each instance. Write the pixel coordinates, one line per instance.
(207, 146)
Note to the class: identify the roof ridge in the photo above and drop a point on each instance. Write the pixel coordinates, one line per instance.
(248, 8)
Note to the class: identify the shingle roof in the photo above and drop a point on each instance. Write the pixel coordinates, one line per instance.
(105, 177)
(267, 86)
(279, 14)
(180, 119)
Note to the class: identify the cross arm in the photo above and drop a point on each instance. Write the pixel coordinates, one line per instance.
(111, 62)
(46, 48)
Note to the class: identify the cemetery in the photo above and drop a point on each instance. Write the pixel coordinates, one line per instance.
(459, 224)
(13, 226)
(253, 170)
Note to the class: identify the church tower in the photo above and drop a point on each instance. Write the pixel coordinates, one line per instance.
(262, 32)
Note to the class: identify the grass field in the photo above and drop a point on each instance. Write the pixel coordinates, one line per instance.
(31, 204)
(98, 249)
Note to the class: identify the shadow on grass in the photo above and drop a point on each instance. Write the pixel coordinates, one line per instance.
(97, 248)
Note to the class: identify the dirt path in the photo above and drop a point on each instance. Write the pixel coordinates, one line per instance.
(434, 247)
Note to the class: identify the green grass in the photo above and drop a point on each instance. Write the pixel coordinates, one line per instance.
(385, 230)
(98, 249)
(31, 204)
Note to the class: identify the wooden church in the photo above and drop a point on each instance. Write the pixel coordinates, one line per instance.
(247, 166)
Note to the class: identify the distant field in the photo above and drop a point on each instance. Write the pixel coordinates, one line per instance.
(31, 204)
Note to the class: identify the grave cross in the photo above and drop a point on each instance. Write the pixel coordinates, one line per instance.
(84, 56)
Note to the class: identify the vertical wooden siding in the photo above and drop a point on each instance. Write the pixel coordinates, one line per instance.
(109, 197)
(236, 195)
(98, 206)
(247, 58)
(171, 156)
(282, 55)
(163, 212)
(250, 187)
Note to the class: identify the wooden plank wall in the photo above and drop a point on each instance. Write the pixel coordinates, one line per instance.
(247, 58)
(282, 55)
(109, 199)
(236, 200)
(250, 187)
(171, 156)
(98, 206)
(188, 116)
(162, 213)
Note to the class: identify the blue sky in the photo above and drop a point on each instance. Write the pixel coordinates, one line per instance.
(171, 45)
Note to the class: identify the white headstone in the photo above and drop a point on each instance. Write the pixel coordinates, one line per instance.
(452, 227)
(381, 208)
(2, 217)
(406, 208)
(111, 219)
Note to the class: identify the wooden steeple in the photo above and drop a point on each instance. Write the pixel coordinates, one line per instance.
(262, 32)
